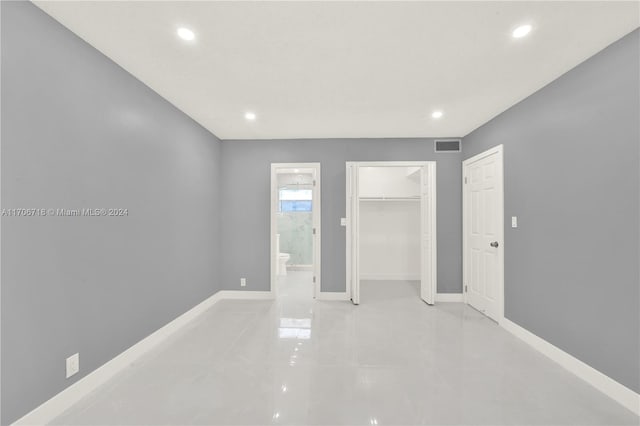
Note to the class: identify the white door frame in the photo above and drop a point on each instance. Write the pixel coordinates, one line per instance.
(499, 150)
(316, 214)
(352, 233)
(352, 209)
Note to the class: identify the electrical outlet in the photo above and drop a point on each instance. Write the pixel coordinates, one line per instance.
(514, 221)
(243, 282)
(73, 365)
(343, 221)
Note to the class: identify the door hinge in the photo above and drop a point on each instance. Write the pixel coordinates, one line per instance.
(314, 182)
(314, 231)
(314, 280)
(465, 288)
(465, 179)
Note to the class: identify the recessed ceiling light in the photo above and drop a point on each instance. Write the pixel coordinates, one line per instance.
(250, 116)
(186, 34)
(437, 114)
(521, 31)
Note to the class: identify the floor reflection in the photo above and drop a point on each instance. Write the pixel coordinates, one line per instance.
(391, 360)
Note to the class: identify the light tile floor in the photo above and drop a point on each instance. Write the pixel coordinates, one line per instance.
(391, 360)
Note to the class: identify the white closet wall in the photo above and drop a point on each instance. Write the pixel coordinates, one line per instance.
(389, 223)
(386, 182)
(389, 240)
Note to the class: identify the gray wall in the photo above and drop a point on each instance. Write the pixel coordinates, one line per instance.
(246, 170)
(572, 177)
(78, 131)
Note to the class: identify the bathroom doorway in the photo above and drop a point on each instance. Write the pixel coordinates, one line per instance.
(295, 230)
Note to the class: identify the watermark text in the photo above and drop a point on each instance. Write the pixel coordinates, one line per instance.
(61, 212)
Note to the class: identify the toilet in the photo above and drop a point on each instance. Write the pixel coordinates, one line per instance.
(283, 258)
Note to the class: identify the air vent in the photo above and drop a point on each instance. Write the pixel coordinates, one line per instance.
(446, 145)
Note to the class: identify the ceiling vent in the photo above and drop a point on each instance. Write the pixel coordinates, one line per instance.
(446, 145)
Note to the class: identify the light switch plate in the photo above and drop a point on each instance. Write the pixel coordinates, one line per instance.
(73, 365)
(243, 282)
(343, 221)
(514, 221)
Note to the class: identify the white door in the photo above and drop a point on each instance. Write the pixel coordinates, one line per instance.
(353, 256)
(427, 233)
(316, 219)
(483, 216)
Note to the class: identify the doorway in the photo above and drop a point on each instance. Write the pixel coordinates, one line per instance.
(483, 232)
(391, 225)
(295, 230)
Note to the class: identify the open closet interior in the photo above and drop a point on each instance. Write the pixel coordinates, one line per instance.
(389, 200)
(391, 229)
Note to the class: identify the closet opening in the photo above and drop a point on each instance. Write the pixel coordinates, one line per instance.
(391, 230)
(295, 230)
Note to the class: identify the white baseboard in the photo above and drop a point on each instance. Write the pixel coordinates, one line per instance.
(605, 384)
(449, 297)
(49, 410)
(330, 295)
(389, 277)
(251, 295)
(52, 408)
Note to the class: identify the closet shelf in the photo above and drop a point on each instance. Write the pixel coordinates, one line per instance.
(389, 198)
(413, 172)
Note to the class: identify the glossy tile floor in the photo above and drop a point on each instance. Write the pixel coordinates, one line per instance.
(391, 360)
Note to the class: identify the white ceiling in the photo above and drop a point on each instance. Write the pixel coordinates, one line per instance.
(346, 69)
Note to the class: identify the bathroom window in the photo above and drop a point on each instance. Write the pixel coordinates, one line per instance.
(295, 200)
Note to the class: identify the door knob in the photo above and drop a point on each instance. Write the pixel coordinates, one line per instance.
(494, 244)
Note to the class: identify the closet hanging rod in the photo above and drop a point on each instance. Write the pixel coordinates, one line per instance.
(389, 198)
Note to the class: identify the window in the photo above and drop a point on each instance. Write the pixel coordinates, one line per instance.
(295, 200)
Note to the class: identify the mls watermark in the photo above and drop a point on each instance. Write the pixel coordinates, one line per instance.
(57, 212)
